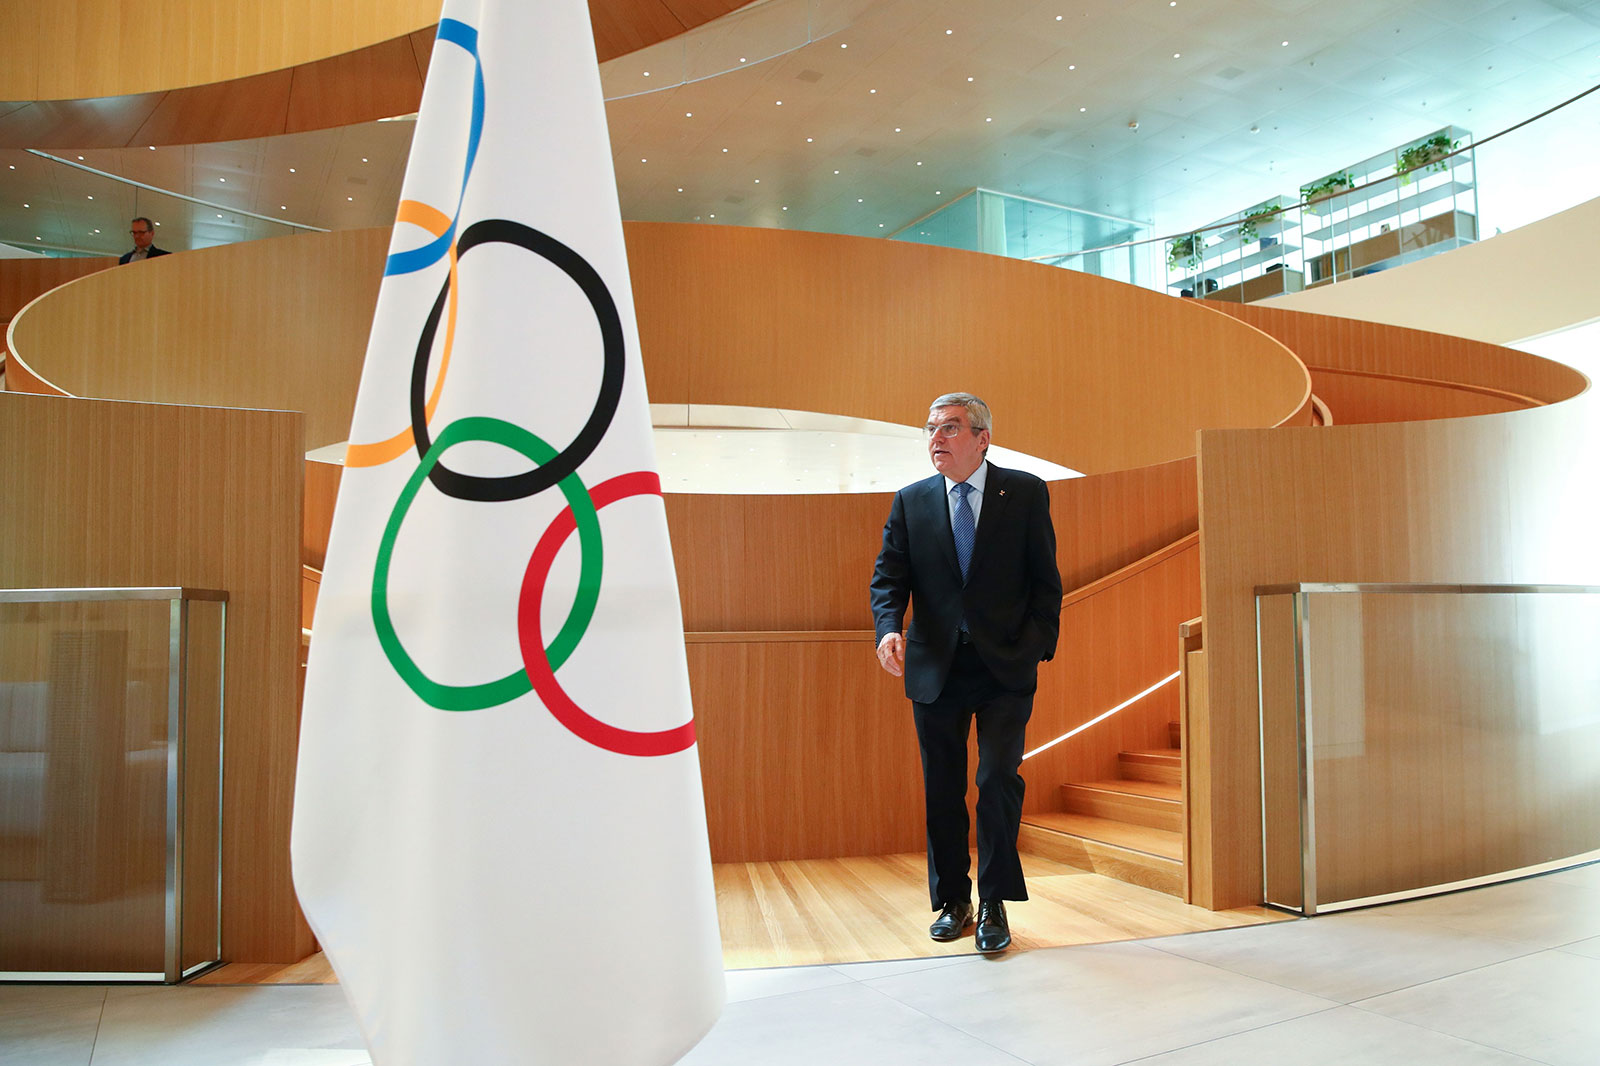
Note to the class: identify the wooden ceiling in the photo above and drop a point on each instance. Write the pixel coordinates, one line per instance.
(159, 88)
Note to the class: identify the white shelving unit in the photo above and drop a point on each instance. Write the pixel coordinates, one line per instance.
(1243, 256)
(1387, 217)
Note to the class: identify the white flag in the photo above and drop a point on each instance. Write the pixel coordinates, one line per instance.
(499, 835)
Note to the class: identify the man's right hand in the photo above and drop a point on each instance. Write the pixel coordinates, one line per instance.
(892, 653)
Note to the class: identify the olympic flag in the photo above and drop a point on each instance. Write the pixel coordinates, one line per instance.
(499, 835)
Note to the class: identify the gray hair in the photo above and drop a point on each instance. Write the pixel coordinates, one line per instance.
(977, 411)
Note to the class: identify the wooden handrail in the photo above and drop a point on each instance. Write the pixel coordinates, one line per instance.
(1460, 386)
(1160, 555)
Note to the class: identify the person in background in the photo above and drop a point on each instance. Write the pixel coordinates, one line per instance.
(144, 235)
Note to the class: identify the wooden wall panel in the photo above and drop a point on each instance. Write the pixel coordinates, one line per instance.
(807, 750)
(1493, 499)
(111, 494)
(24, 280)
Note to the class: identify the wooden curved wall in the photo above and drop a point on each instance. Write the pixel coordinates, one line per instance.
(1504, 498)
(1086, 372)
(90, 73)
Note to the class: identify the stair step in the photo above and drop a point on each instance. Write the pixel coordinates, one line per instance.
(1155, 804)
(1137, 854)
(1157, 764)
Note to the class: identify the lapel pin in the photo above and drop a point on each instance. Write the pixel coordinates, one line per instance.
(1002, 492)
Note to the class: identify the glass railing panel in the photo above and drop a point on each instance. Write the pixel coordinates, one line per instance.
(93, 761)
(1446, 735)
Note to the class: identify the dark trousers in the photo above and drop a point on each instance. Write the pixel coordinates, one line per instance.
(942, 727)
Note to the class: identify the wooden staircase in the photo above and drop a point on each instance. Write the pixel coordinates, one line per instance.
(1129, 827)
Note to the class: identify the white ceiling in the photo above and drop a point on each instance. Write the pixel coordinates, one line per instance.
(1237, 118)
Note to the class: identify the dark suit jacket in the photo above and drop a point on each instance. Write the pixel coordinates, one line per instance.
(1012, 596)
(154, 251)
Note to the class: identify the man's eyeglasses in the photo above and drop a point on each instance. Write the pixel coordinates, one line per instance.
(943, 429)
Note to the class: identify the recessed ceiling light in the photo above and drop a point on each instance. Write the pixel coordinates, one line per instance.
(969, 77)
(786, 207)
(688, 114)
(30, 205)
(724, 149)
(948, 32)
(91, 197)
(642, 160)
(936, 192)
(363, 159)
(872, 90)
(836, 172)
(158, 223)
(291, 170)
(680, 189)
(283, 207)
(919, 162)
(1072, 66)
(1286, 44)
(38, 238)
(844, 46)
(152, 147)
(97, 231)
(647, 73)
(222, 179)
(713, 216)
(859, 200)
(13, 166)
(880, 225)
(80, 158)
(758, 181)
(219, 214)
(897, 129)
(989, 119)
(741, 59)
(1058, 18)
(1177, 55)
(808, 140)
(351, 199)
(1081, 110)
(779, 103)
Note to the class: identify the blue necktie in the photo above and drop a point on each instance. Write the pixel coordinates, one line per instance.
(964, 528)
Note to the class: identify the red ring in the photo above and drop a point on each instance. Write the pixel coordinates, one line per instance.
(580, 722)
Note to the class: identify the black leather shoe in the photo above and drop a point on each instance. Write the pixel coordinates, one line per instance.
(993, 932)
(951, 921)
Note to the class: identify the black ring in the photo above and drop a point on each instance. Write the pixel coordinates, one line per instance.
(576, 267)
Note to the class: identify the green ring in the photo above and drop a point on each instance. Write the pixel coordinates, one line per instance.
(514, 684)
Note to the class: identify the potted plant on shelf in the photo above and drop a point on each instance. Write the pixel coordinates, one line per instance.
(1428, 154)
(1250, 225)
(1185, 252)
(1332, 185)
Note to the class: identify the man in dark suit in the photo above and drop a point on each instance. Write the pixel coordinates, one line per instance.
(972, 550)
(144, 235)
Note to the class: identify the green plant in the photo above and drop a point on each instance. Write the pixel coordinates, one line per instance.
(1249, 226)
(1185, 251)
(1429, 153)
(1321, 190)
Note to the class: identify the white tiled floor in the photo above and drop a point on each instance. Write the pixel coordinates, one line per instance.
(1496, 976)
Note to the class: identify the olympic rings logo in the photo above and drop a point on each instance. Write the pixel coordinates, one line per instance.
(552, 469)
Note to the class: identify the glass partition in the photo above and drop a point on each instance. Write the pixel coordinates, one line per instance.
(981, 220)
(1420, 738)
(110, 782)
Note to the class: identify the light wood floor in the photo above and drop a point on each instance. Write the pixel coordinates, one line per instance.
(871, 909)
